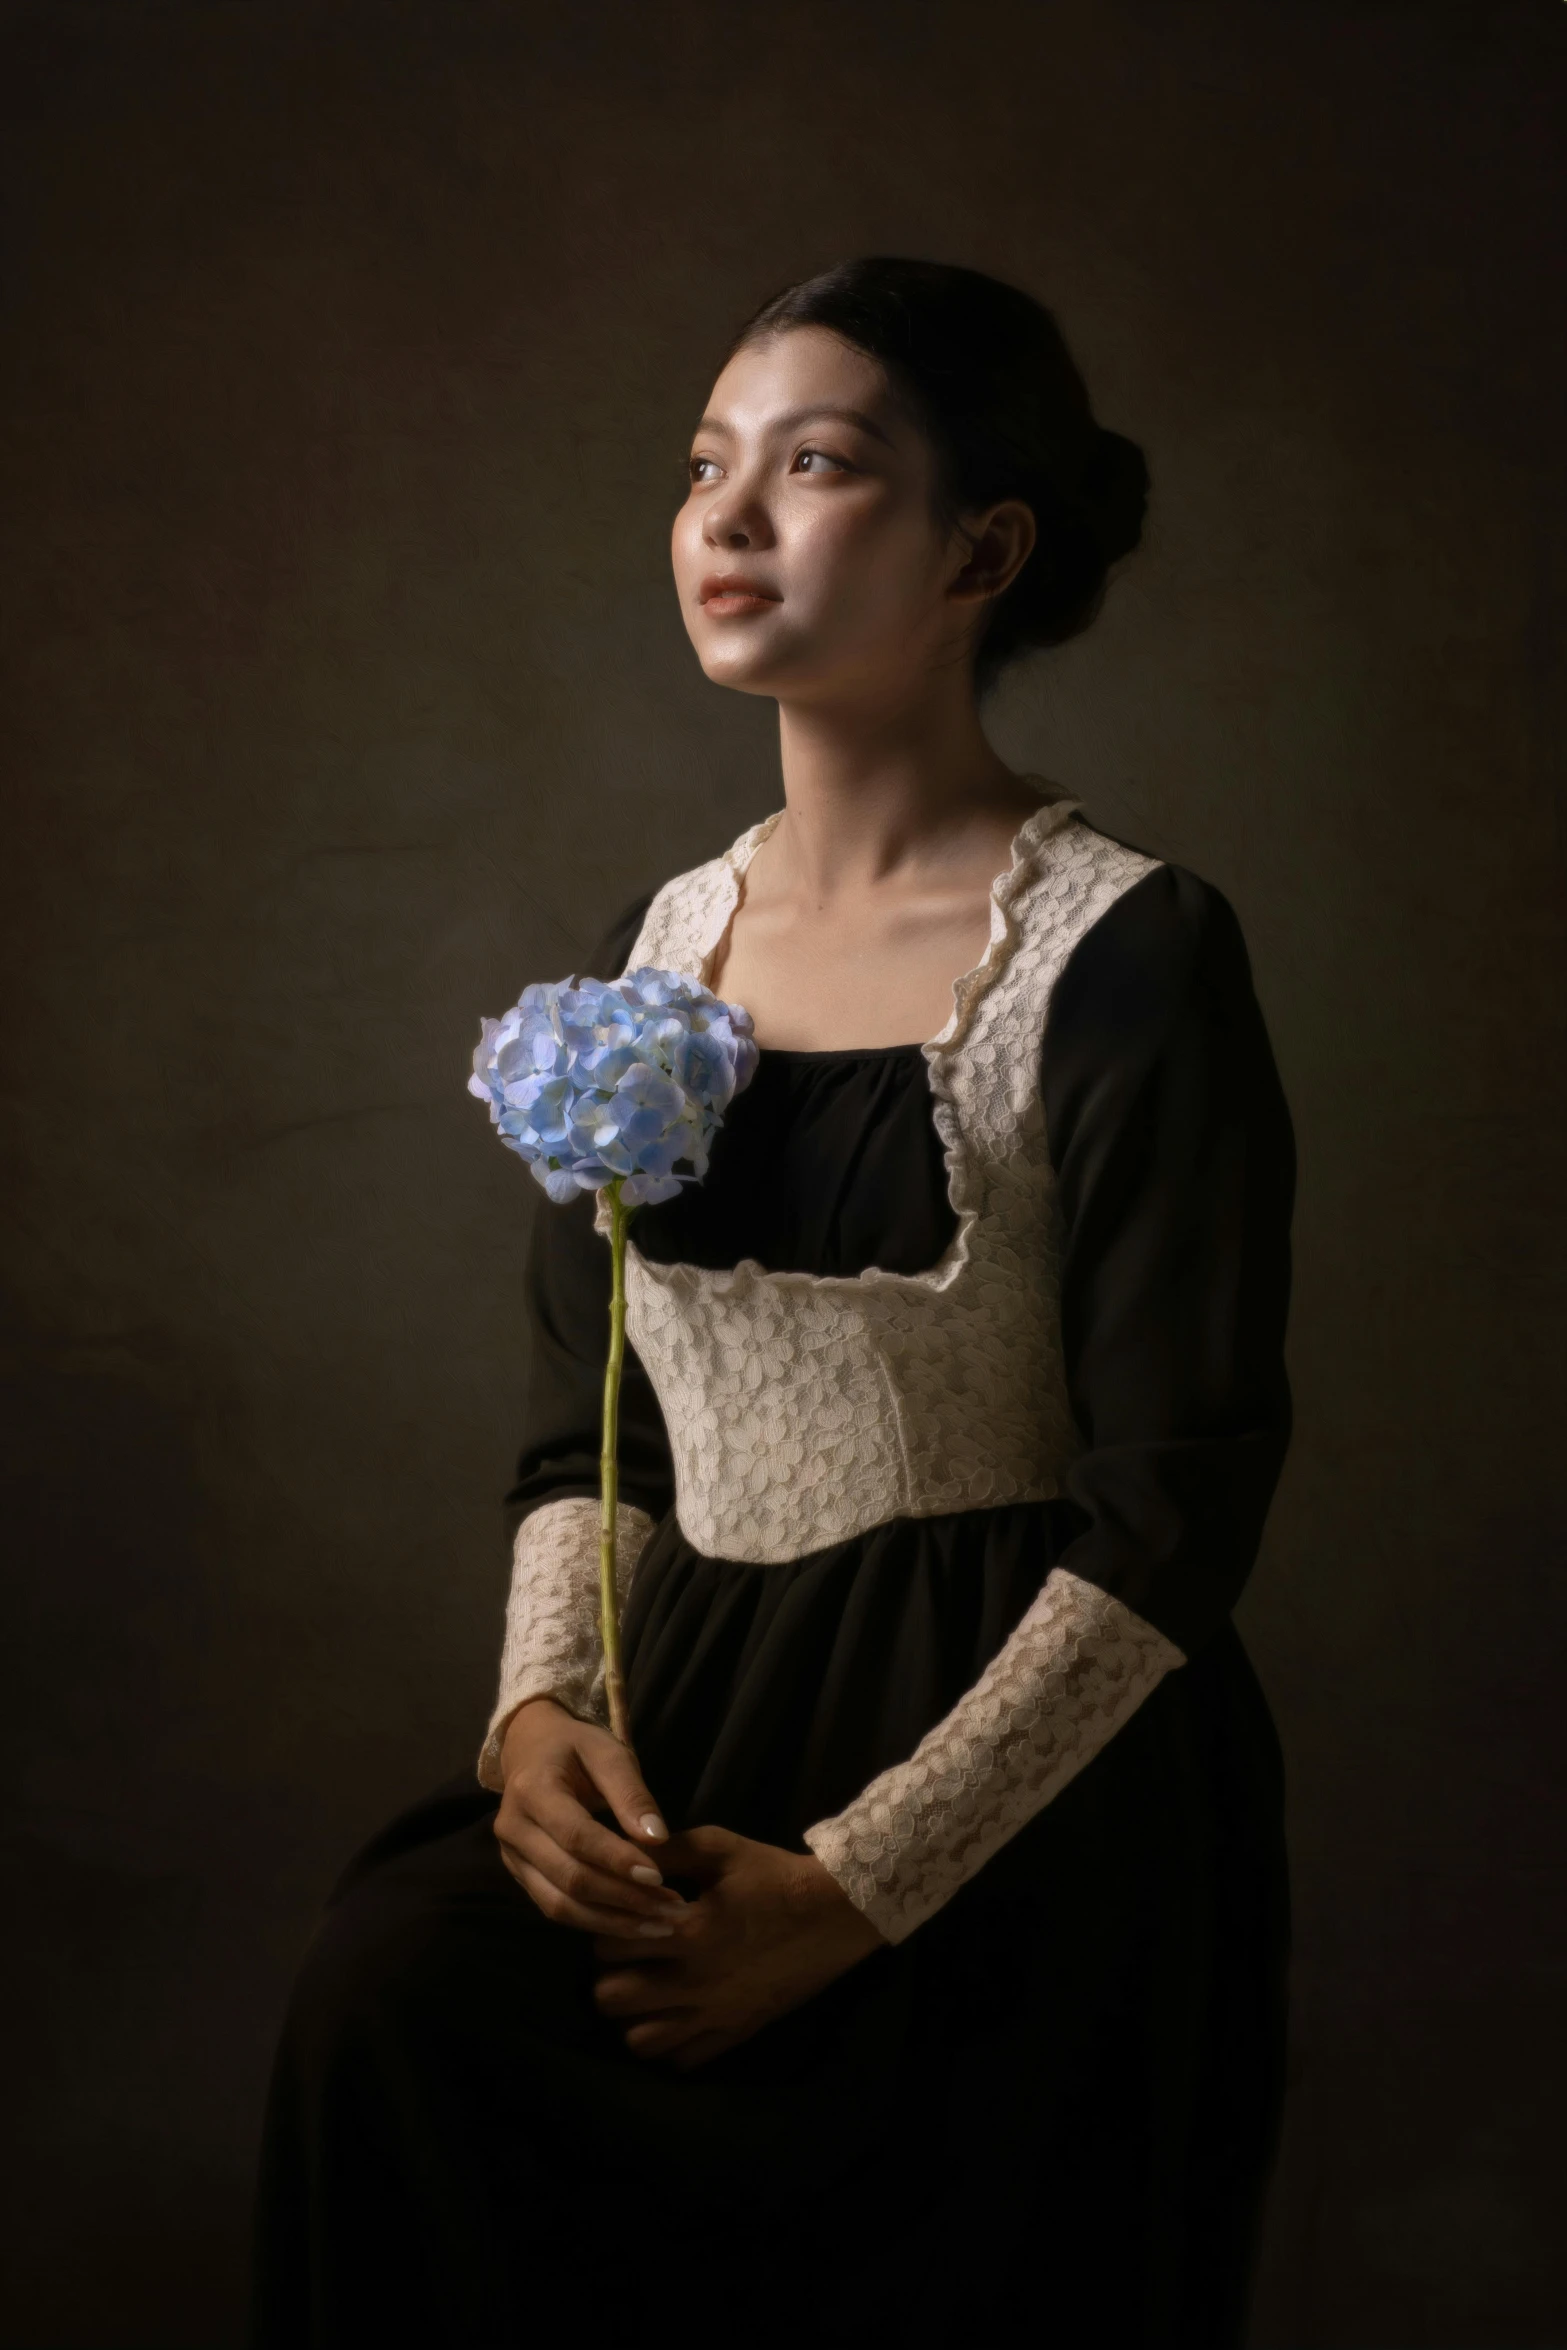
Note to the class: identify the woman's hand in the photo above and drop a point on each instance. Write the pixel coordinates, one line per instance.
(559, 1771)
(766, 1930)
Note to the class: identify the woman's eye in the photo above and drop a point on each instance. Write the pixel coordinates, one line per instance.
(818, 461)
(704, 469)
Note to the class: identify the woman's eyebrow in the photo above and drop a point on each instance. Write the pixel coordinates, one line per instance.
(792, 418)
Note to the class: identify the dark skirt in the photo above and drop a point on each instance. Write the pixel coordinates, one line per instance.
(1053, 2107)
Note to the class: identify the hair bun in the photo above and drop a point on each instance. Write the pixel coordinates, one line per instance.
(1113, 492)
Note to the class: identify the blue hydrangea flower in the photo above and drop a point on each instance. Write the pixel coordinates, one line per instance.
(596, 1079)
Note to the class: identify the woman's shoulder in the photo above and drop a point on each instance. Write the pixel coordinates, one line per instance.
(1169, 936)
(1155, 1016)
(685, 900)
(611, 952)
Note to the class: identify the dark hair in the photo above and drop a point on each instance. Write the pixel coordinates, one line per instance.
(988, 373)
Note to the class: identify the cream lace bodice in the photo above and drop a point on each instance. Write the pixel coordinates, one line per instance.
(802, 1410)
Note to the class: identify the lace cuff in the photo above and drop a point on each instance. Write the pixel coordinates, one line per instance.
(552, 1616)
(1078, 1665)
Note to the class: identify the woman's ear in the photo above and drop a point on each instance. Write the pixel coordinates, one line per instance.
(996, 545)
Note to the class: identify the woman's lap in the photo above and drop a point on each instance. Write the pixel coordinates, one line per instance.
(459, 2149)
(1011, 2105)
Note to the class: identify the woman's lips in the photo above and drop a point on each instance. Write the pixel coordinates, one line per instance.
(727, 596)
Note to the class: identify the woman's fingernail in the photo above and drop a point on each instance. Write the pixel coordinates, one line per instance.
(660, 1933)
(651, 1825)
(645, 1875)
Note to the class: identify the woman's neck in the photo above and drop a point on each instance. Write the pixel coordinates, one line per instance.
(870, 792)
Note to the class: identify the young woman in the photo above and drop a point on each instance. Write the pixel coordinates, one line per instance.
(920, 1973)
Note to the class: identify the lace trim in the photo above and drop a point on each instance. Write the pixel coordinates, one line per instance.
(1078, 1665)
(552, 1620)
(964, 1185)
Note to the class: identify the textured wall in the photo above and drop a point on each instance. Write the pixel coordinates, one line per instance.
(353, 351)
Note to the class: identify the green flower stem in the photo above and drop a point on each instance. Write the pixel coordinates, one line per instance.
(609, 1476)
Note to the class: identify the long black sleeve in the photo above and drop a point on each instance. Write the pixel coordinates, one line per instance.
(566, 1300)
(1175, 1167)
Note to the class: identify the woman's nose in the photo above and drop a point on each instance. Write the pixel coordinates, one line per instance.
(736, 520)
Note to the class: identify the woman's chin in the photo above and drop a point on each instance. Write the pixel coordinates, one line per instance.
(746, 668)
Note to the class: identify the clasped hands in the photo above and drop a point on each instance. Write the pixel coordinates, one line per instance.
(686, 1978)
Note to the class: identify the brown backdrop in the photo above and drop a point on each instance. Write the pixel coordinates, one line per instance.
(353, 350)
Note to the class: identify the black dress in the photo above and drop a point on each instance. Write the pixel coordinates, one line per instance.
(1053, 2106)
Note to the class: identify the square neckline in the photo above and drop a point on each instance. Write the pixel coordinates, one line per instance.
(1055, 809)
(725, 877)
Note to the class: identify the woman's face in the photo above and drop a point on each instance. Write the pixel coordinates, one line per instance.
(809, 557)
